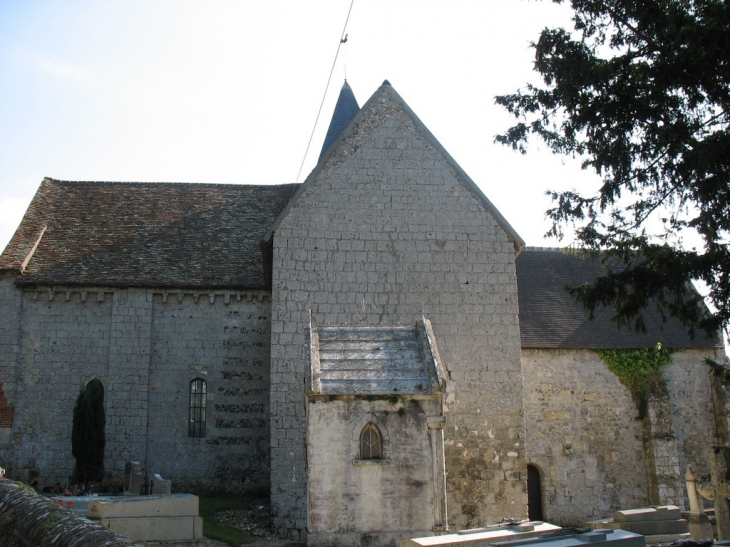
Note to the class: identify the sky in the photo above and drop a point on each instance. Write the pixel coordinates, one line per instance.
(228, 91)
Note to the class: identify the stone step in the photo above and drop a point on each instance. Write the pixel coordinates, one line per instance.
(367, 375)
(380, 365)
(337, 333)
(375, 387)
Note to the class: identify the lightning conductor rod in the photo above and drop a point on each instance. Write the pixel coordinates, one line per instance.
(343, 39)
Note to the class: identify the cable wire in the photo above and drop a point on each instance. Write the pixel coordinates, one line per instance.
(343, 38)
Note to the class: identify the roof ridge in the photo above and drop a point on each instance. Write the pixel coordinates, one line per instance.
(149, 183)
(539, 248)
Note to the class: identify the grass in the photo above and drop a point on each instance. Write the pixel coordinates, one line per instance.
(215, 530)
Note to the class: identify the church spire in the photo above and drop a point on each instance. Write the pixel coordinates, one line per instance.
(345, 110)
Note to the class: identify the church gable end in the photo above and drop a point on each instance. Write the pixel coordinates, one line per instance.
(387, 228)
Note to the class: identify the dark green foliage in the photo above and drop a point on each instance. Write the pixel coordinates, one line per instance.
(719, 371)
(640, 91)
(640, 370)
(87, 437)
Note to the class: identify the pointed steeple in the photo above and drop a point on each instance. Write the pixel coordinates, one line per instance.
(345, 110)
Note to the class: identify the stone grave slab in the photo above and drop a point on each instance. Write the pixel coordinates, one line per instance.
(79, 503)
(650, 528)
(150, 518)
(662, 524)
(595, 538)
(174, 505)
(663, 512)
(481, 537)
(156, 529)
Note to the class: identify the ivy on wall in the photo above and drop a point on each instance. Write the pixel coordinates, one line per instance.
(640, 370)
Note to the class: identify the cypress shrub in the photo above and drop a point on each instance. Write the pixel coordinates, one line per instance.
(87, 437)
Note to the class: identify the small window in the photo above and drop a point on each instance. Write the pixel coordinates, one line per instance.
(196, 421)
(371, 444)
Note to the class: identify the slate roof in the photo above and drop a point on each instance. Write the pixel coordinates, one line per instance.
(550, 318)
(375, 360)
(345, 110)
(151, 234)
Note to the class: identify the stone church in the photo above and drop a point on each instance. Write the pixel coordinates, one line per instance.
(374, 347)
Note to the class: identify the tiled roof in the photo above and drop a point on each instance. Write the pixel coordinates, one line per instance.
(550, 318)
(152, 234)
(345, 110)
(375, 360)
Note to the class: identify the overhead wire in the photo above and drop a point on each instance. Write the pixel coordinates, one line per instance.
(343, 39)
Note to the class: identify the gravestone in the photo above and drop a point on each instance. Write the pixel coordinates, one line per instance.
(158, 485)
(699, 523)
(132, 478)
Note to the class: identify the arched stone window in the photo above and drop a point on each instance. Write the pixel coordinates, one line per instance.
(371, 442)
(196, 419)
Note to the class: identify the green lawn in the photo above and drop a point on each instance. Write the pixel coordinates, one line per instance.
(214, 530)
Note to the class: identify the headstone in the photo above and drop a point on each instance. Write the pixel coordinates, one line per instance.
(132, 478)
(699, 523)
(158, 485)
(717, 489)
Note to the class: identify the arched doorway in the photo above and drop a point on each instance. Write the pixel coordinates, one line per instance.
(534, 493)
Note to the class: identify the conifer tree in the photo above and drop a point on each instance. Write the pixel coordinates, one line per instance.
(640, 92)
(87, 437)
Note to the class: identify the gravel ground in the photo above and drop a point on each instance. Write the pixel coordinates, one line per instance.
(256, 522)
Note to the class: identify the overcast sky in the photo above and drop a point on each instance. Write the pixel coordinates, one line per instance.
(228, 91)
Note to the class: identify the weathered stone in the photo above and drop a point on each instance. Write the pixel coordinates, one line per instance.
(174, 505)
(386, 243)
(482, 537)
(158, 485)
(595, 538)
(132, 478)
(145, 348)
(644, 514)
(157, 528)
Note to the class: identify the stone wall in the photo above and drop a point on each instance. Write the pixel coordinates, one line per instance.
(145, 347)
(228, 346)
(593, 454)
(10, 307)
(378, 502)
(385, 232)
(694, 407)
(582, 435)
